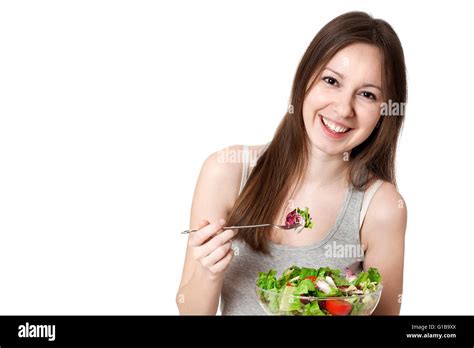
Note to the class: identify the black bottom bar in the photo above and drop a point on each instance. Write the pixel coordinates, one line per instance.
(203, 330)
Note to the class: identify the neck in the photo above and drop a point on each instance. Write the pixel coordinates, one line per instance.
(325, 170)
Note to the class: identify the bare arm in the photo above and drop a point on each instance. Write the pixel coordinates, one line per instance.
(208, 252)
(384, 230)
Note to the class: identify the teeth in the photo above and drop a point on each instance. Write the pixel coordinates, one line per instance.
(334, 127)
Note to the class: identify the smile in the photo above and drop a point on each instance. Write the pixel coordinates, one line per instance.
(332, 129)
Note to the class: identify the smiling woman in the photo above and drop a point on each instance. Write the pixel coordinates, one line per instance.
(334, 154)
(341, 92)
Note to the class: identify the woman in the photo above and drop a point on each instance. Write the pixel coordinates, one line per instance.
(334, 153)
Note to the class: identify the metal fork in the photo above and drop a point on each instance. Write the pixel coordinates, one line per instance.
(298, 228)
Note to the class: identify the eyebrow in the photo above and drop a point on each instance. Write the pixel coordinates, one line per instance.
(342, 77)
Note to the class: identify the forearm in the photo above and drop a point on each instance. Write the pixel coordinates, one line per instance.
(200, 296)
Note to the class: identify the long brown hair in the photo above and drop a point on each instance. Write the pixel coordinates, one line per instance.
(285, 160)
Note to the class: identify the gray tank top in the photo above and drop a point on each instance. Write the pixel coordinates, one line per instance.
(340, 248)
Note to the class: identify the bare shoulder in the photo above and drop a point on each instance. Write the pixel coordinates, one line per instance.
(224, 163)
(388, 204)
(231, 158)
(223, 168)
(387, 211)
(221, 172)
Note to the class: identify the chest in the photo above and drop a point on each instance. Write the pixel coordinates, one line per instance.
(324, 207)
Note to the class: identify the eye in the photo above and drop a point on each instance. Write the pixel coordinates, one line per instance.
(330, 80)
(369, 95)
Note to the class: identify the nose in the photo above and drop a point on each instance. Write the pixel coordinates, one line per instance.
(342, 106)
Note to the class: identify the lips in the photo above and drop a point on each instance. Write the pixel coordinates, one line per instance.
(333, 134)
(335, 126)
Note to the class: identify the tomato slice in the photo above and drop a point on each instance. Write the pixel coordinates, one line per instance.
(338, 307)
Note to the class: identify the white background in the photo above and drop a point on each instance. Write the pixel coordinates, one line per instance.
(109, 108)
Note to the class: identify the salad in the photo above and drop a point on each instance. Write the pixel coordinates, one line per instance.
(297, 216)
(319, 291)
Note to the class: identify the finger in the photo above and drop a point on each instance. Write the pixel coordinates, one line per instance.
(216, 255)
(201, 236)
(203, 223)
(215, 242)
(222, 265)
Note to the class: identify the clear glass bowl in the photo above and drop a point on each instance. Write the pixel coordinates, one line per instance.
(285, 303)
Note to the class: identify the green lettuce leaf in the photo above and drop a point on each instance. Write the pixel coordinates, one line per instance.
(312, 308)
(267, 281)
(360, 278)
(374, 275)
(306, 272)
(288, 302)
(304, 287)
(307, 218)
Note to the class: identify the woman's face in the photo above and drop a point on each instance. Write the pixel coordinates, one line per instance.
(342, 107)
